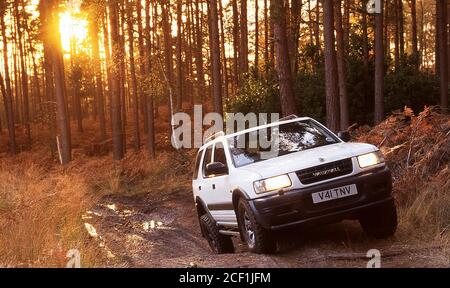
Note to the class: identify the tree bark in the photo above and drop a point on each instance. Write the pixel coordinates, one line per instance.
(65, 146)
(150, 117)
(142, 74)
(168, 54)
(122, 70)
(401, 28)
(76, 78)
(236, 41)
(256, 38)
(179, 56)
(199, 53)
(243, 53)
(331, 83)
(379, 68)
(282, 65)
(414, 41)
(296, 9)
(266, 34)
(134, 89)
(215, 56)
(98, 75)
(24, 76)
(341, 68)
(223, 52)
(317, 26)
(441, 17)
(116, 111)
(7, 96)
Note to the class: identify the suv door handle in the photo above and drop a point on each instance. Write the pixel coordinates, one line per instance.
(199, 187)
(213, 186)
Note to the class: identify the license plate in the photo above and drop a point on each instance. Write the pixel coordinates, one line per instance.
(335, 193)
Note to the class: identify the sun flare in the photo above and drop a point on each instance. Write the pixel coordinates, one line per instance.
(72, 28)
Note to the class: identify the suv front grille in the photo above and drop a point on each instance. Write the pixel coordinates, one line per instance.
(325, 172)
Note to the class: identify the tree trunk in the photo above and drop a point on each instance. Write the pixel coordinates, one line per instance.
(256, 38)
(76, 78)
(243, 52)
(7, 96)
(346, 23)
(423, 47)
(168, 57)
(24, 78)
(266, 34)
(150, 117)
(341, 68)
(98, 76)
(122, 70)
(401, 25)
(224, 56)
(215, 57)
(365, 38)
(317, 26)
(134, 90)
(116, 111)
(9, 116)
(142, 74)
(379, 68)
(236, 41)
(441, 17)
(282, 65)
(199, 53)
(296, 9)
(64, 141)
(179, 56)
(415, 48)
(331, 83)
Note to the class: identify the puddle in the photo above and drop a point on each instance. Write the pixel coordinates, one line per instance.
(150, 225)
(111, 207)
(91, 230)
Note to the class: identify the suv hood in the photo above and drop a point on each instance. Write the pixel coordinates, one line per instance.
(308, 158)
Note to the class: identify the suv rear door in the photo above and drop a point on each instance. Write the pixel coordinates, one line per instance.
(215, 188)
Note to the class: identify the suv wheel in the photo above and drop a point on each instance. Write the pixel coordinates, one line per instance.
(258, 239)
(219, 243)
(381, 221)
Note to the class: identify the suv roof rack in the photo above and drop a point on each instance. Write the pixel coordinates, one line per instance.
(290, 117)
(214, 136)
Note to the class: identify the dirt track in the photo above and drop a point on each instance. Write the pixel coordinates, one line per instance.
(146, 232)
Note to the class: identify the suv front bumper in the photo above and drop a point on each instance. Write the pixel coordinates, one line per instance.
(296, 207)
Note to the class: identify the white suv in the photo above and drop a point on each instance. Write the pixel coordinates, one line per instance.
(314, 178)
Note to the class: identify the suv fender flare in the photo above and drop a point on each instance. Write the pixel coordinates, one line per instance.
(202, 209)
(236, 196)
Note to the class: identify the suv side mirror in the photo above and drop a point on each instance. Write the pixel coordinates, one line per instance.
(345, 136)
(216, 169)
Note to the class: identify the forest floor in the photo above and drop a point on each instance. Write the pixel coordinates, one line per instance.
(164, 232)
(140, 213)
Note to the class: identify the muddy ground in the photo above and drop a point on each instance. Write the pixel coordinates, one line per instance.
(163, 232)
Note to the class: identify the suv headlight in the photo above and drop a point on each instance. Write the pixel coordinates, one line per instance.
(370, 159)
(272, 184)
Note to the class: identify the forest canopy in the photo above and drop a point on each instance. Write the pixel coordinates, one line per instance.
(129, 65)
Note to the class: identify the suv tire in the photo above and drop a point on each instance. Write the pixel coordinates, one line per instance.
(220, 244)
(258, 239)
(381, 221)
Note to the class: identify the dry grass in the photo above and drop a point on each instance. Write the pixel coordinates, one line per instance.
(42, 203)
(417, 149)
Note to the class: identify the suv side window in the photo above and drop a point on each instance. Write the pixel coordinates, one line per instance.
(207, 159)
(219, 154)
(197, 164)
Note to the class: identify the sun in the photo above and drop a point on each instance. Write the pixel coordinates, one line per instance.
(72, 28)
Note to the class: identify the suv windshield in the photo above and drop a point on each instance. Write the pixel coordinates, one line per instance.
(292, 137)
